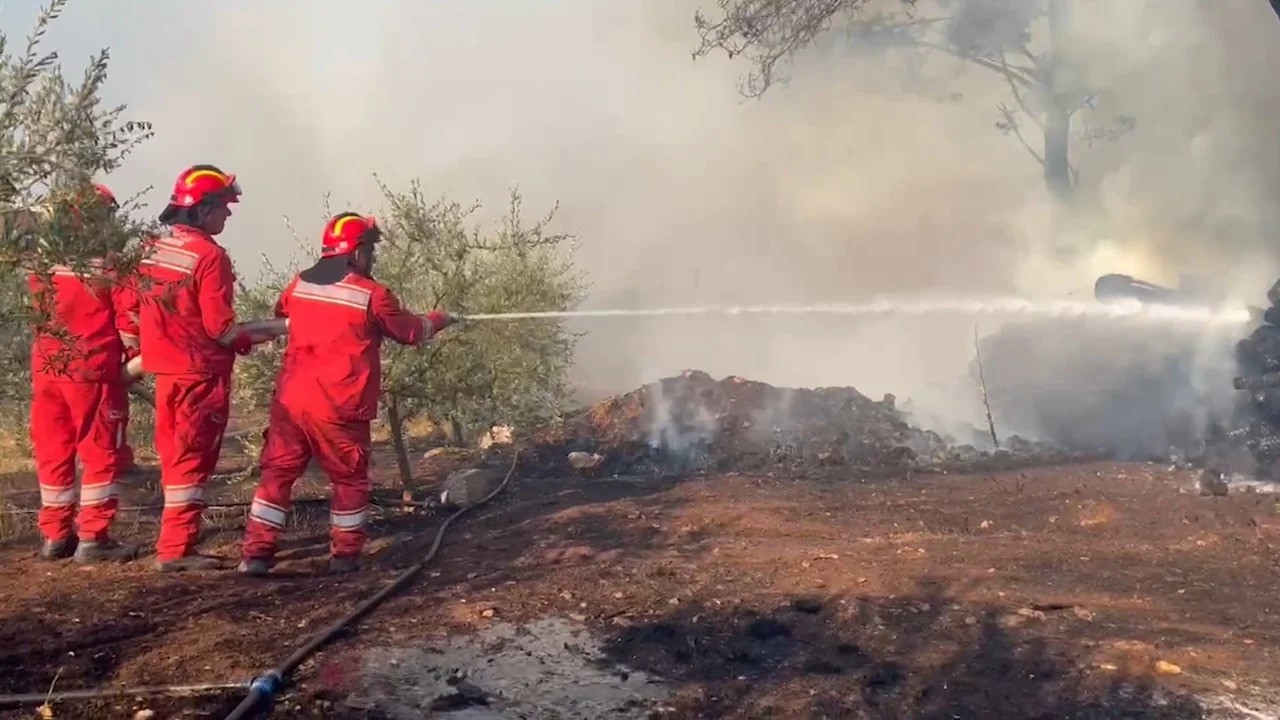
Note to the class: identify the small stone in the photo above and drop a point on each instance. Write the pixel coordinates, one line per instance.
(985, 524)
(1012, 621)
(585, 462)
(1167, 668)
(467, 487)
(1082, 614)
(487, 613)
(1030, 613)
(1228, 684)
(144, 714)
(971, 621)
(577, 617)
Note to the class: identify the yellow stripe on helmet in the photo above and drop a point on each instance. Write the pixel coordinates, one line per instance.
(207, 173)
(342, 222)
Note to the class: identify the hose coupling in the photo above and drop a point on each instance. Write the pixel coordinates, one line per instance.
(267, 685)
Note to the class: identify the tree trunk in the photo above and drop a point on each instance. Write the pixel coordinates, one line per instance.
(453, 432)
(402, 453)
(1057, 158)
(1057, 118)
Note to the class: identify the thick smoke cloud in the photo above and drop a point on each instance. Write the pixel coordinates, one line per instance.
(865, 176)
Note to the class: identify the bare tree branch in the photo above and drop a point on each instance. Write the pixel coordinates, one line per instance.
(1010, 125)
(1022, 103)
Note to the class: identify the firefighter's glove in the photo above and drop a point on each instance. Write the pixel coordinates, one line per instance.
(242, 344)
(441, 319)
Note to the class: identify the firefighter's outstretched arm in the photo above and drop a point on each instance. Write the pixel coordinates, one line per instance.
(403, 326)
(216, 293)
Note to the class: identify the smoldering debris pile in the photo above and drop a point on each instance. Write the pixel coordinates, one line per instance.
(693, 422)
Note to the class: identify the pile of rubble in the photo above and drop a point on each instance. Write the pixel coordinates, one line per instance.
(694, 423)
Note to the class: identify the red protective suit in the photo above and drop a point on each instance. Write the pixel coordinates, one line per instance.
(78, 401)
(186, 322)
(326, 395)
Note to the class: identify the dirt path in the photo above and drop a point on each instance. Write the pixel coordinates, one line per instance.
(1069, 592)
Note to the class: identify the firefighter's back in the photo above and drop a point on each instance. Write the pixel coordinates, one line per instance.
(332, 366)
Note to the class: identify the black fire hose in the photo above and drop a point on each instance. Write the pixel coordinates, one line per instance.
(265, 687)
(105, 693)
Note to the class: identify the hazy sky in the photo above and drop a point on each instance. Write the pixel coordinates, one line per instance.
(840, 187)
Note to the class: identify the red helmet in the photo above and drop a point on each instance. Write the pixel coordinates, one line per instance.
(81, 199)
(347, 231)
(200, 182)
(106, 196)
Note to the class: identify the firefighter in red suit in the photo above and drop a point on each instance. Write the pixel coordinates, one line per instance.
(189, 338)
(327, 390)
(79, 402)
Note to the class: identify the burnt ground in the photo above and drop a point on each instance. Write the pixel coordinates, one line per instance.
(1043, 593)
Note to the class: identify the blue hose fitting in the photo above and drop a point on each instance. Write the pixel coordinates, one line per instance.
(267, 685)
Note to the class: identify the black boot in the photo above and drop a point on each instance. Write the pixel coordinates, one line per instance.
(52, 550)
(190, 563)
(90, 551)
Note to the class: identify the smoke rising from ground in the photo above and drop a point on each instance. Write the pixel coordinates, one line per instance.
(866, 176)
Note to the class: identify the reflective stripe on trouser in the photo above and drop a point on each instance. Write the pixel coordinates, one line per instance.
(191, 415)
(71, 420)
(268, 513)
(341, 448)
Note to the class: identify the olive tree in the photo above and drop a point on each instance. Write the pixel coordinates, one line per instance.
(1021, 41)
(56, 139)
(479, 374)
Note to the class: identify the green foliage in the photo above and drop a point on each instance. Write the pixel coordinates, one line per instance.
(56, 139)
